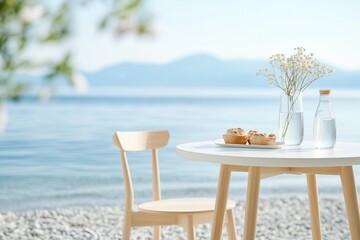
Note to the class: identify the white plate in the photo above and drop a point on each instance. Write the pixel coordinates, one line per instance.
(221, 143)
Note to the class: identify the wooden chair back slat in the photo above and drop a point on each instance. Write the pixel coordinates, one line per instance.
(141, 141)
(156, 176)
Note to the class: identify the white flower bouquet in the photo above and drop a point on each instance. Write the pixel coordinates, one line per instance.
(293, 75)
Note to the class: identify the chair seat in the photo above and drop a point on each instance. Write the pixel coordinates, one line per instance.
(183, 205)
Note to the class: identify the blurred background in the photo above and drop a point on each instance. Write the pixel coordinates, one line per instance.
(74, 72)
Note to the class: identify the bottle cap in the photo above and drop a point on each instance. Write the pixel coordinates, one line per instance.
(324, 91)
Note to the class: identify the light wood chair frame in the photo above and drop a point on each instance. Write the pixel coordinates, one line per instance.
(152, 140)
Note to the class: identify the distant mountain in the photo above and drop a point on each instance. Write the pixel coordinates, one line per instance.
(197, 70)
(202, 70)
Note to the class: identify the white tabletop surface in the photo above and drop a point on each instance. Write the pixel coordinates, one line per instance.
(305, 155)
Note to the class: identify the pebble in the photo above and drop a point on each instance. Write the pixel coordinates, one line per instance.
(278, 218)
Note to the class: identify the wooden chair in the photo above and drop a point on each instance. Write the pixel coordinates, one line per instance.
(184, 212)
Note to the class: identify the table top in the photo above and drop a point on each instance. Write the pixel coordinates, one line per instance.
(305, 155)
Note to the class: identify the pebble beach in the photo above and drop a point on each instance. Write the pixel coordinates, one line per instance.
(278, 218)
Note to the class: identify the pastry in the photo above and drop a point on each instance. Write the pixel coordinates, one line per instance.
(262, 139)
(272, 139)
(235, 136)
(251, 132)
(236, 131)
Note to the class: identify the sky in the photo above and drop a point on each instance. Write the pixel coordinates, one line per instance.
(228, 29)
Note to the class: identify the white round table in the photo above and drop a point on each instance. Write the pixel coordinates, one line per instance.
(262, 163)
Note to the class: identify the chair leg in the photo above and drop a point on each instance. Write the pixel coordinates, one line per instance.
(190, 228)
(157, 233)
(126, 229)
(231, 229)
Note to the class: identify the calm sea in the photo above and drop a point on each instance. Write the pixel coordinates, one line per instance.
(60, 153)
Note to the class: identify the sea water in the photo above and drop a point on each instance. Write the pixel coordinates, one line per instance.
(61, 154)
(295, 132)
(324, 132)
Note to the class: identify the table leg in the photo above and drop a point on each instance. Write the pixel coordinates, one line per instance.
(351, 201)
(314, 206)
(221, 202)
(252, 198)
(190, 228)
(231, 228)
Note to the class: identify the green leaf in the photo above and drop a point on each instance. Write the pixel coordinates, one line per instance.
(104, 22)
(22, 43)
(131, 6)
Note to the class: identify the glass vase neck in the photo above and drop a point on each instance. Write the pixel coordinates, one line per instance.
(292, 93)
(291, 103)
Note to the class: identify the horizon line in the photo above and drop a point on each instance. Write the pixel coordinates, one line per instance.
(210, 55)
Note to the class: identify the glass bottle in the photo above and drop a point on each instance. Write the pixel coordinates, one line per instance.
(324, 123)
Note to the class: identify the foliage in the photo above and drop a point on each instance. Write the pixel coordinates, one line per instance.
(28, 23)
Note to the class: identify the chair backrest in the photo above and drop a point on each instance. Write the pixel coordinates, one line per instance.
(140, 141)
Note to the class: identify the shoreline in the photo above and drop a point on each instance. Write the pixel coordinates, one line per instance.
(278, 218)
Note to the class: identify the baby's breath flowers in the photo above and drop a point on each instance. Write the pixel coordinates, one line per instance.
(293, 75)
